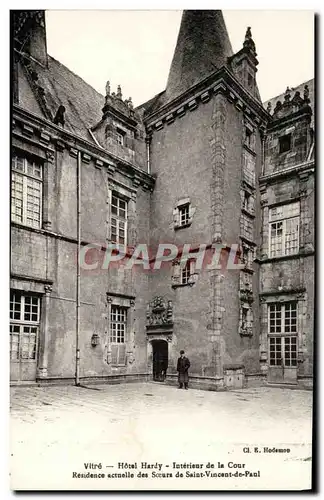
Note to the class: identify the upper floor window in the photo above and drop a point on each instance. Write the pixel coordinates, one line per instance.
(120, 134)
(118, 220)
(26, 191)
(284, 229)
(187, 272)
(249, 168)
(282, 318)
(284, 143)
(184, 215)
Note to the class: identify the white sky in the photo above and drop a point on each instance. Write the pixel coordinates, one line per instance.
(135, 48)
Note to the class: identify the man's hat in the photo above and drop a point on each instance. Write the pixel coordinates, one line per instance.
(182, 351)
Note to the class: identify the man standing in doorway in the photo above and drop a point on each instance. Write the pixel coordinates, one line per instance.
(182, 367)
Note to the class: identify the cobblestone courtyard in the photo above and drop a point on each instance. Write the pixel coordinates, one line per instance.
(56, 430)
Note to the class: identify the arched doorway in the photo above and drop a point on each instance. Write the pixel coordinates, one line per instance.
(160, 360)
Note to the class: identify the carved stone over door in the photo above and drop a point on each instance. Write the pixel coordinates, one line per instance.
(159, 330)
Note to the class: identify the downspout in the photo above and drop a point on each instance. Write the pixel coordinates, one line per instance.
(77, 322)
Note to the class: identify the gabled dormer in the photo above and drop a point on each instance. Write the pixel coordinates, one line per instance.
(120, 130)
(289, 133)
(244, 64)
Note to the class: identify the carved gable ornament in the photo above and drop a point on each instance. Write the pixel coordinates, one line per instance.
(159, 315)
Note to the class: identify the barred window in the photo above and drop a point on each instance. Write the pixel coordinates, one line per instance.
(26, 191)
(283, 318)
(24, 325)
(118, 220)
(284, 230)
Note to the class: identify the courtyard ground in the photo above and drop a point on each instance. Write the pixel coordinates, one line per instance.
(57, 430)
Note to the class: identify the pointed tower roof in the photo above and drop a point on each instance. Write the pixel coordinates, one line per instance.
(203, 46)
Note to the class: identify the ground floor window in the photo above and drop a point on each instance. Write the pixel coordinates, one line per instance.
(283, 351)
(118, 329)
(24, 326)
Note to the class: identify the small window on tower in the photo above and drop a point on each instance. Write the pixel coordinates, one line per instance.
(184, 215)
(284, 143)
(250, 80)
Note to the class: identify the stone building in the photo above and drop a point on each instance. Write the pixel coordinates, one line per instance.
(203, 165)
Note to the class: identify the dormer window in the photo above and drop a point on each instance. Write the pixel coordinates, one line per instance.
(120, 137)
(284, 143)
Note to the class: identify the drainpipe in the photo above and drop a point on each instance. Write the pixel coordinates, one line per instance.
(77, 322)
(148, 154)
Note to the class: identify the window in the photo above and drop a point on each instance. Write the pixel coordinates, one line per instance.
(282, 326)
(187, 271)
(26, 191)
(118, 220)
(120, 134)
(24, 326)
(284, 143)
(284, 230)
(184, 215)
(249, 168)
(118, 328)
(283, 318)
(246, 227)
(118, 322)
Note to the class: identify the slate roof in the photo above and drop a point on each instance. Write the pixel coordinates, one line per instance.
(203, 46)
(83, 104)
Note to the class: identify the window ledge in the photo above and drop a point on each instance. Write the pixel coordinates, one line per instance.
(286, 257)
(181, 285)
(182, 226)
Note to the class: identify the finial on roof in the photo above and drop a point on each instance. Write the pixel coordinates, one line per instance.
(306, 94)
(287, 96)
(108, 88)
(130, 103)
(269, 107)
(248, 41)
(119, 92)
(297, 98)
(278, 106)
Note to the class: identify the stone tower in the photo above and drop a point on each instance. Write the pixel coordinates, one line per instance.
(206, 133)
